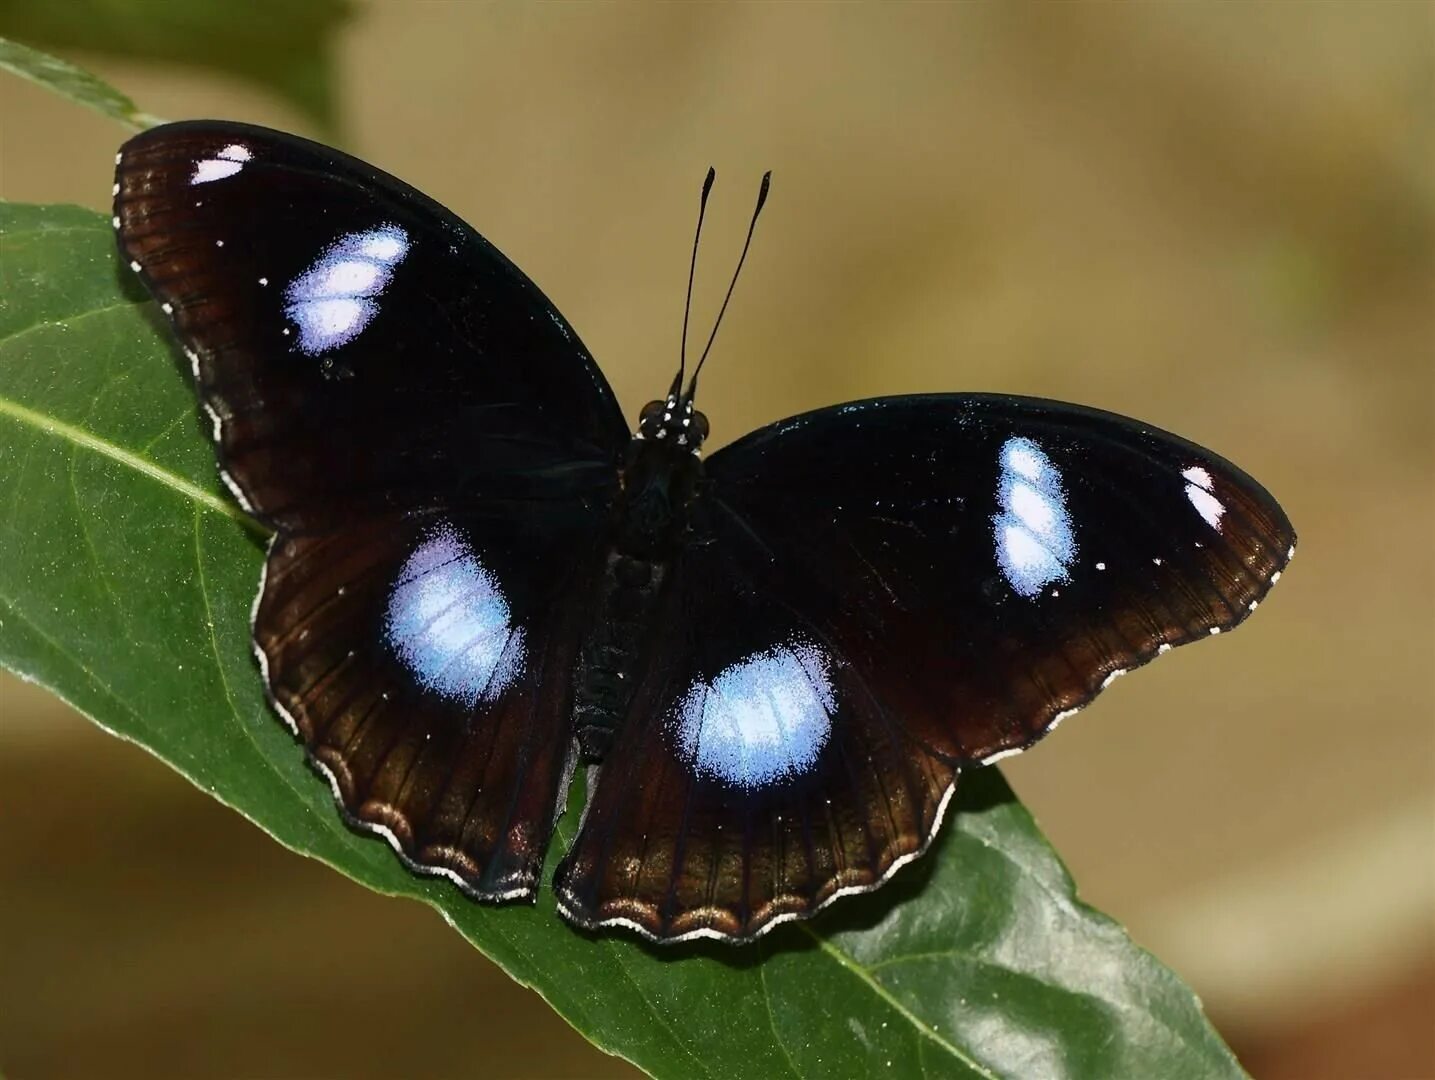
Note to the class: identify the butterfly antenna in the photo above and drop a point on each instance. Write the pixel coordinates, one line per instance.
(692, 270)
(761, 199)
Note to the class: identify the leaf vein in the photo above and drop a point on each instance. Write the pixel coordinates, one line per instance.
(81, 520)
(244, 728)
(66, 320)
(771, 1016)
(79, 664)
(617, 952)
(895, 1004)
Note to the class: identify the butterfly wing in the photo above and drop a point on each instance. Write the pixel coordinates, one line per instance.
(875, 597)
(426, 662)
(436, 450)
(357, 347)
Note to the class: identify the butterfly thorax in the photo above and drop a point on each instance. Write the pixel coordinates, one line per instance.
(656, 485)
(650, 522)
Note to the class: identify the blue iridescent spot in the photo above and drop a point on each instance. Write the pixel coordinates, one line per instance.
(338, 295)
(1034, 538)
(762, 719)
(449, 622)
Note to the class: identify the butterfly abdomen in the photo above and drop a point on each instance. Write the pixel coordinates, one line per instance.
(608, 670)
(650, 524)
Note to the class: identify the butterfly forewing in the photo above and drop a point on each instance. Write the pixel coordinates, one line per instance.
(356, 346)
(1014, 554)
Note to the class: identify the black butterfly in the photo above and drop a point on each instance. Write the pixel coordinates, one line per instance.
(776, 663)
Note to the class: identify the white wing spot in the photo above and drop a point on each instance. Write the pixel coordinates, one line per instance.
(225, 163)
(1035, 542)
(339, 294)
(1065, 714)
(1199, 491)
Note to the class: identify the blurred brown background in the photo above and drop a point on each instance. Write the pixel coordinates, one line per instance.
(1219, 219)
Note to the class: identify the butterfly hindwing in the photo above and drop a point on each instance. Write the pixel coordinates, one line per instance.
(425, 661)
(932, 582)
(753, 778)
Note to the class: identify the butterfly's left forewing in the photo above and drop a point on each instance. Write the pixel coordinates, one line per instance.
(356, 347)
(876, 596)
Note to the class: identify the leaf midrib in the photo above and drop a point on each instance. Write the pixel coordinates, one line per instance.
(59, 429)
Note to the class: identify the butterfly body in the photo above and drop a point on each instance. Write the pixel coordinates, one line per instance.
(778, 658)
(649, 524)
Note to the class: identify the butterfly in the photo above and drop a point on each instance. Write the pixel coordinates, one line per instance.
(774, 662)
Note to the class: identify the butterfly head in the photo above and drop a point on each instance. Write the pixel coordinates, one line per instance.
(674, 421)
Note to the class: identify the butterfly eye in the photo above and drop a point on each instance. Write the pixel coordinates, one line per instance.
(651, 418)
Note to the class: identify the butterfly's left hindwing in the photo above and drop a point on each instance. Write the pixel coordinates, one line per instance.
(874, 597)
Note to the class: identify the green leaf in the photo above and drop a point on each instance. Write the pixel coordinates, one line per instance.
(126, 577)
(72, 82)
(284, 46)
